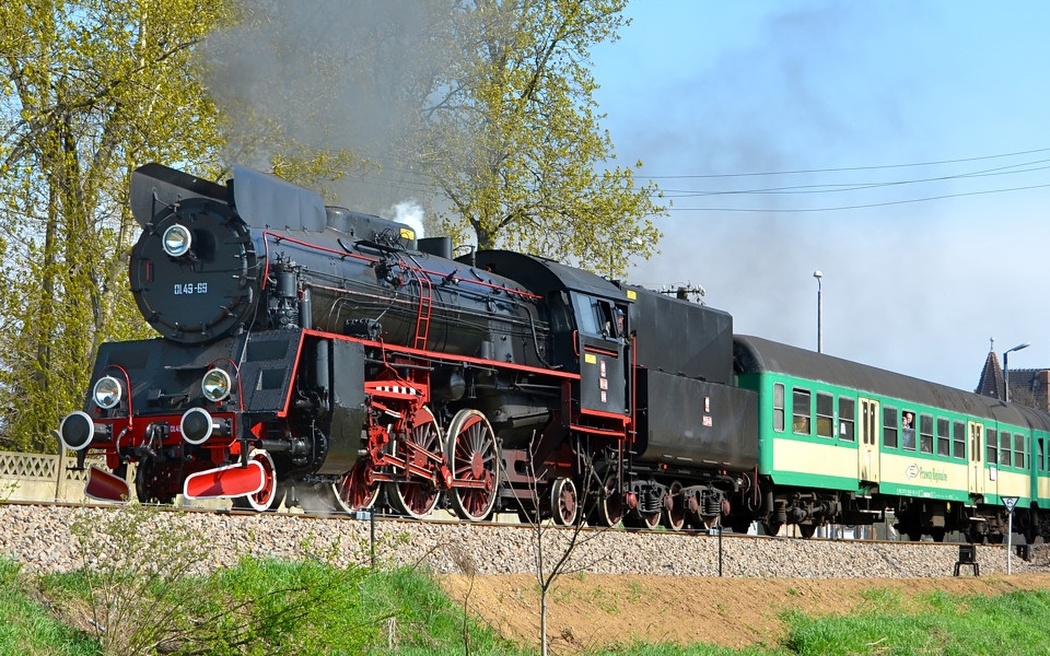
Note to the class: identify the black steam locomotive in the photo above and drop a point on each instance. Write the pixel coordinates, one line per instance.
(306, 347)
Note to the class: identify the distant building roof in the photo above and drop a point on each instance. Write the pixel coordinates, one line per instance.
(992, 382)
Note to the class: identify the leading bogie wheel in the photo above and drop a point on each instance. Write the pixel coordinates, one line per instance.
(474, 458)
(266, 497)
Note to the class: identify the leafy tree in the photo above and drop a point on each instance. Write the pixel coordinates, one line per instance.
(513, 138)
(89, 90)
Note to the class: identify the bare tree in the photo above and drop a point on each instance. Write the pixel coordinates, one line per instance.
(557, 539)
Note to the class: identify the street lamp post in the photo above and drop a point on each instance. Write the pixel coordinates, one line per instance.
(820, 311)
(1006, 369)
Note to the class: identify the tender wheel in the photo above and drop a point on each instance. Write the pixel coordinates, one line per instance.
(266, 498)
(358, 489)
(610, 506)
(565, 505)
(474, 458)
(414, 495)
(674, 511)
(649, 520)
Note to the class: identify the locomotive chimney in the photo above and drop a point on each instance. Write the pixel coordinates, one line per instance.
(440, 246)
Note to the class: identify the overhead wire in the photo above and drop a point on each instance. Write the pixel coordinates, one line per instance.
(393, 176)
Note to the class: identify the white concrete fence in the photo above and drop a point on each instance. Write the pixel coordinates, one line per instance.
(41, 477)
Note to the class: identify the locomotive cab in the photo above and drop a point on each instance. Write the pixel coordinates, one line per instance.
(588, 326)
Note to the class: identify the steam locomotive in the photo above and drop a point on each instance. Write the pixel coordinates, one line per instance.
(306, 348)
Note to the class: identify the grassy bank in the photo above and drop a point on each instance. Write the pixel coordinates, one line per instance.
(311, 608)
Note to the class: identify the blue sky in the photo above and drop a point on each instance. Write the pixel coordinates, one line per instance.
(856, 94)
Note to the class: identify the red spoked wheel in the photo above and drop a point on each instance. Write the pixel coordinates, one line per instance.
(474, 457)
(358, 489)
(265, 498)
(414, 495)
(564, 502)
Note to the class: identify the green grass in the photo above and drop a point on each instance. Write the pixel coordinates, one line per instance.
(26, 626)
(269, 607)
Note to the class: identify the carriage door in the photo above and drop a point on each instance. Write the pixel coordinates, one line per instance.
(868, 450)
(976, 463)
(603, 385)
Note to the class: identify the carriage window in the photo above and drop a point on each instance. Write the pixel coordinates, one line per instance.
(778, 407)
(944, 440)
(908, 430)
(959, 440)
(801, 410)
(926, 433)
(1040, 463)
(1019, 455)
(1004, 448)
(825, 415)
(847, 419)
(991, 438)
(889, 428)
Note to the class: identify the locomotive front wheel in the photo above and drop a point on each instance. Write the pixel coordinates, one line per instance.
(266, 497)
(155, 484)
(474, 458)
(414, 495)
(358, 489)
(564, 502)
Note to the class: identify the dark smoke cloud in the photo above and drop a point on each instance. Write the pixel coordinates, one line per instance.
(330, 74)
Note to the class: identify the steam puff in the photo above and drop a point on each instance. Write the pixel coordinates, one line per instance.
(409, 212)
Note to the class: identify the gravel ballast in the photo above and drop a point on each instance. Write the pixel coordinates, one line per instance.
(40, 538)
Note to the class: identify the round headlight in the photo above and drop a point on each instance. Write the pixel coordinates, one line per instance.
(107, 392)
(177, 240)
(216, 385)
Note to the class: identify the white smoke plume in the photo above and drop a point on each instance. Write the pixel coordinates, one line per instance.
(410, 213)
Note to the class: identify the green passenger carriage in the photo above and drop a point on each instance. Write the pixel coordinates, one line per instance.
(836, 445)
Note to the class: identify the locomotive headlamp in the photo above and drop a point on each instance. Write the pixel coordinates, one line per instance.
(107, 392)
(216, 385)
(177, 240)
